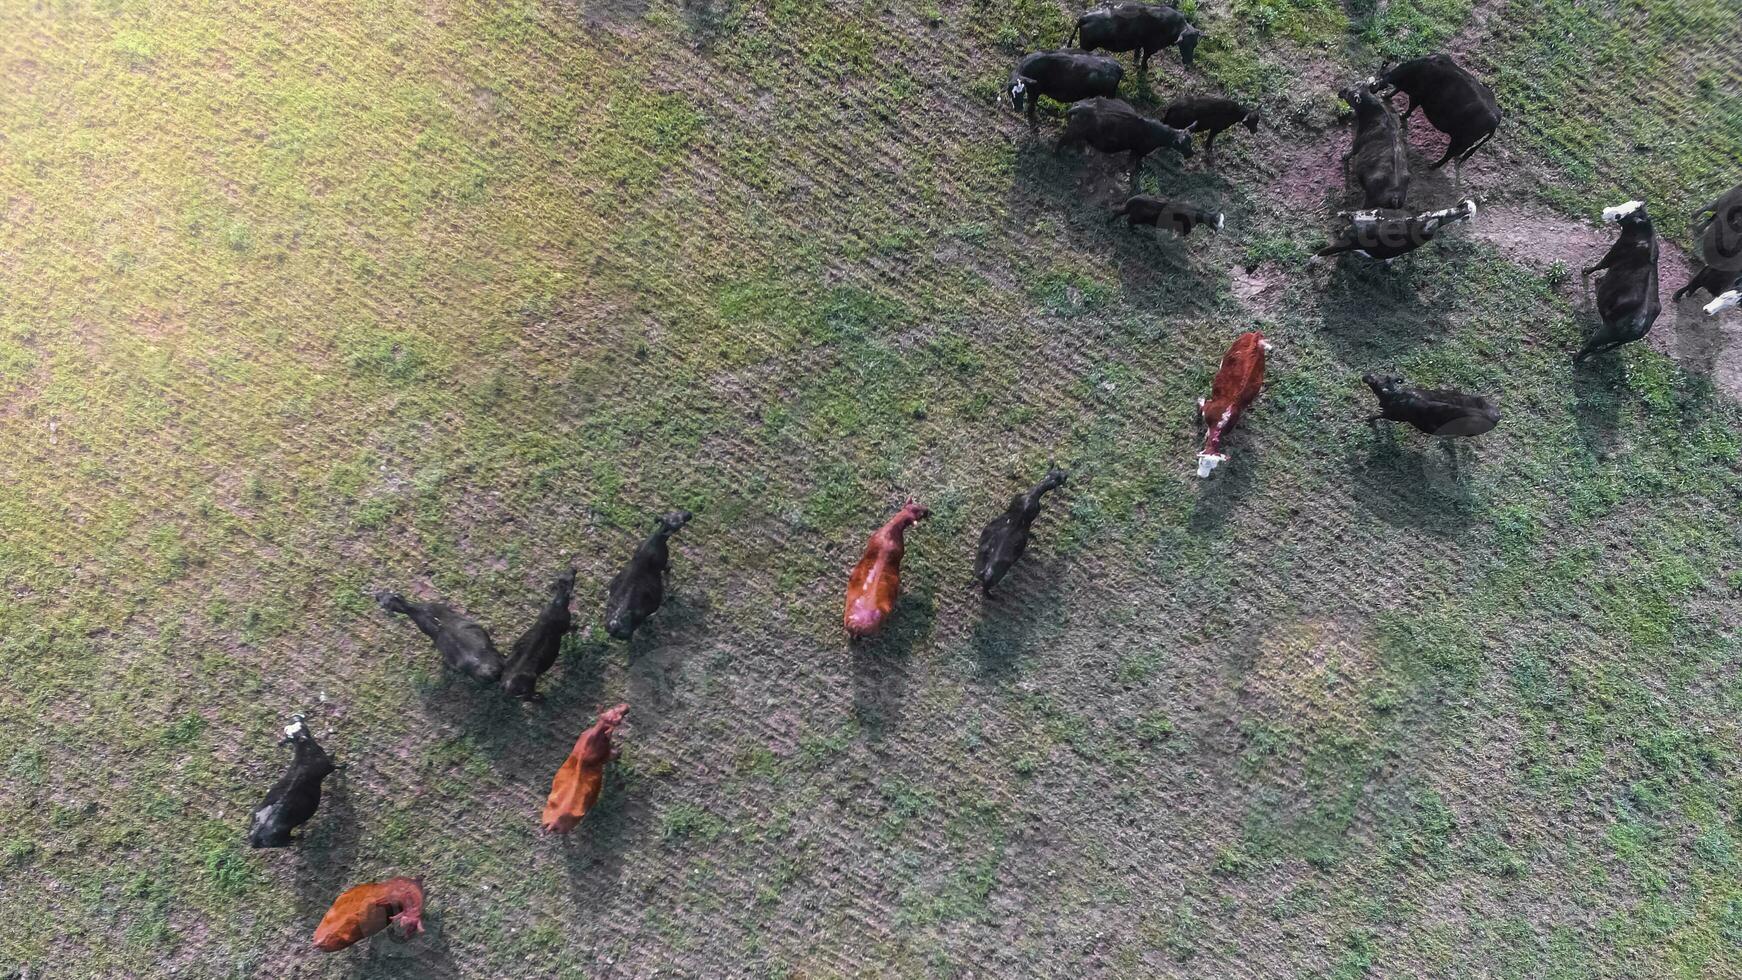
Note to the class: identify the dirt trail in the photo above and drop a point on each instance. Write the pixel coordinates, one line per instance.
(1539, 238)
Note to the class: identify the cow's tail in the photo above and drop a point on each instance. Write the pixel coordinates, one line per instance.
(1075, 30)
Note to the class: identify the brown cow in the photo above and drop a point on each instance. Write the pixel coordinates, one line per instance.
(578, 783)
(876, 580)
(367, 909)
(1236, 386)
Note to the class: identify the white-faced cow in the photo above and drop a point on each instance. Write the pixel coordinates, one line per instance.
(1718, 226)
(296, 796)
(1435, 411)
(639, 589)
(1113, 126)
(537, 648)
(1372, 235)
(1159, 212)
(1004, 540)
(1377, 158)
(1455, 102)
(1136, 27)
(464, 644)
(1208, 116)
(1627, 295)
(1063, 76)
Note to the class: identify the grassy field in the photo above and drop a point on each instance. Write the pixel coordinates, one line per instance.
(302, 300)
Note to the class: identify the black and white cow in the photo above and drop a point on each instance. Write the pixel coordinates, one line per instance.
(1435, 411)
(1377, 159)
(296, 796)
(1138, 27)
(1063, 76)
(1455, 101)
(1627, 296)
(1113, 126)
(1208, 116)
(1159, 212)
(1372, 235)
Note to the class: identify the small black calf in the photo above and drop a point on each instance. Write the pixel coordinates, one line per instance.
(537, 648)
(1159, 212)
(639, 589)
(1006, 537)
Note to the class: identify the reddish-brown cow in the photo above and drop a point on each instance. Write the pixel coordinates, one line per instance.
(367, 909)
(1236, 387)
(582, 776)
(876, 580)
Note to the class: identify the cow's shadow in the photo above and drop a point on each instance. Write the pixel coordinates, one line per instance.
(425, 955)
(572, 689)
(1415, 482)
(1221, 493)
(593, 851)
(1698, 341)
(327, 850)
(1019, 616)
(1371, 312)
(880, 663)
(1599, 390)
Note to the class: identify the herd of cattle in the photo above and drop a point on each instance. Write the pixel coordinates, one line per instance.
(1454, 102)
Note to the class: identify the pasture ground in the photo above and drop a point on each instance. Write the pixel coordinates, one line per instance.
(301, 300)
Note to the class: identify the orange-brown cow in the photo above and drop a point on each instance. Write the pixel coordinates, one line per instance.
(367, 909)
(876, 580)
(1236, 387)
(578, 783)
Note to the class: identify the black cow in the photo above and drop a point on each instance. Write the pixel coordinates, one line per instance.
(1064, 76)
(537, 648)
(1375, 236)
(1112, 126)
(1435, 411)
(1208, 116)
(1718, 226)
(1454, 101)
(1377, 157)
(296, 796)
(1714, 281)
(1006, 537)
(1627, 297)
(464, 645)
(638, 590)
(1159, 212)
(1136, 27)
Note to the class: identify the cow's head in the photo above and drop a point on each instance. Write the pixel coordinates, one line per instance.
(1383, 385)
(1728, 301)
(1019, 92)
(1188, 43)
(1629, 215)
(407, 893)
(612, 717)
(296, 731)
(670, 523)
(1360, 97)
(914, 512)
(1252, 119)
(1207, 463)
(1180, 140)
